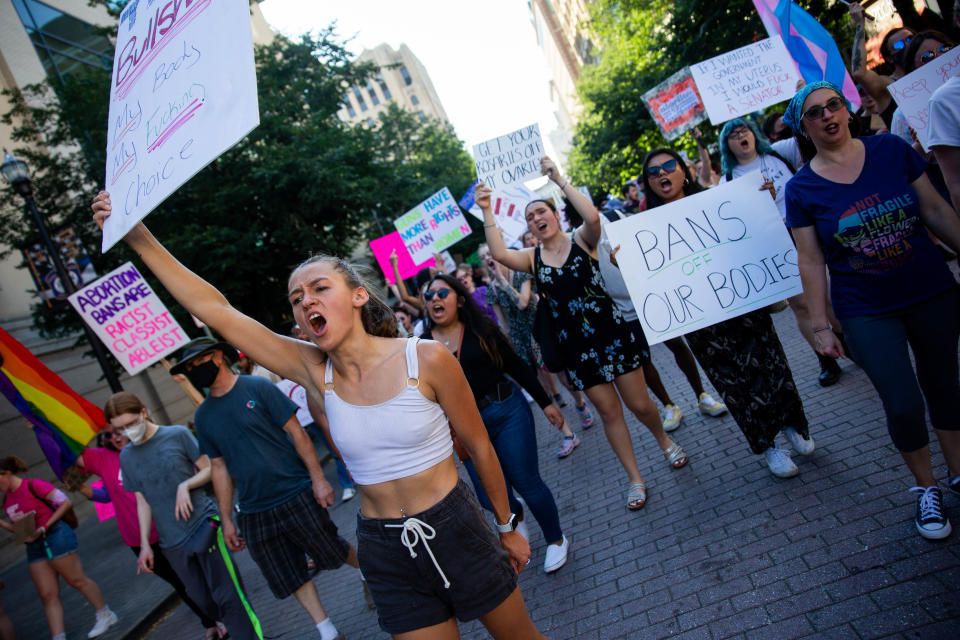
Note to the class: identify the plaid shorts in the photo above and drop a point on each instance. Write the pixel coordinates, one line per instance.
(279, 537)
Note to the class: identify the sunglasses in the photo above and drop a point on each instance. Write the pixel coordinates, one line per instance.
(833, 105)
(739, 132)
(667, 167)
(930, 55)
(440, 293)
(901, 44)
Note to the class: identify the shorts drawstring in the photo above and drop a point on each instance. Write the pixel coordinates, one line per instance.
(414, 531)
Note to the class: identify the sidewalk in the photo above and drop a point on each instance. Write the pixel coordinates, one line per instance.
(722, 549)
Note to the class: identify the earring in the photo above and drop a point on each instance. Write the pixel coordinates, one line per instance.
(686, 182)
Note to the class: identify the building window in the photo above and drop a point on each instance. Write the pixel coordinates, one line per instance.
(422, 115)
(414, 100)
(407, 80)
(359, 97)
(370, 123)
(383, 87)
(62, 42)
(350, 110)
(373, 94)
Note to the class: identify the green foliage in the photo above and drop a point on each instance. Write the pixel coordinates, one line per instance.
(642, 42)
(302, 182)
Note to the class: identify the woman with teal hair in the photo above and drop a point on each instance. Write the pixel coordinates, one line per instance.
(743, 149)
(862, 207)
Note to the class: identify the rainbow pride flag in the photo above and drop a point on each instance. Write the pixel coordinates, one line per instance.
(62, 420)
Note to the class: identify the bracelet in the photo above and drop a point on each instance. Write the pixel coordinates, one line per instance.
(487, 226)
(44, 531)
(826, 328)
(564, 185)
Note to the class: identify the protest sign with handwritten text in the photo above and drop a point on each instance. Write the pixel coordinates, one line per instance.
(675, 105)
(383, 246)
(432, 226)
(183, 91)
(706, 258)
(508, 205)
(912, 92)
(510, 159)
(129, 318)
(745, 80)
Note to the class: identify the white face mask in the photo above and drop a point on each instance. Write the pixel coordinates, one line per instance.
(135, 431)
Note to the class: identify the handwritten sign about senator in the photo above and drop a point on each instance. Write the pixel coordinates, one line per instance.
(129, 318)
(912, 92)
(432, 226)
(510, 159)
(184, 90)
(675, 104)
(746, 79)
(706, 258)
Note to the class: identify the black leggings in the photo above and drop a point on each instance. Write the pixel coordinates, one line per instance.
(879, 343)
(162, 569)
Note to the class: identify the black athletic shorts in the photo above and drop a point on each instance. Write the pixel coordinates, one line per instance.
(411, 592)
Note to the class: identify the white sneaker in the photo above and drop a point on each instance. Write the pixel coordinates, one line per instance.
(709, 406)
(803, 446)
(556, 555)
(672, 416)
(780, 463)
(105, 619)
(348, 493)
(522, 528)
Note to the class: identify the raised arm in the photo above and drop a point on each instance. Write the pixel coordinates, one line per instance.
(706, 170)
(516, 259)
(589, 232)
(874, 83)
(401, 287)
(280, 354)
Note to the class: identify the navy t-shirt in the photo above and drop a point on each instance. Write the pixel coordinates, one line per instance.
(245, 428)
(879, 253)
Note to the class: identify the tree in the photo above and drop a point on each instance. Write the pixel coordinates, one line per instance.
(641, 43)
(300, 183)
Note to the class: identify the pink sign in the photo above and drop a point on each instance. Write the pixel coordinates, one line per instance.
(105, 510)
(383, 247)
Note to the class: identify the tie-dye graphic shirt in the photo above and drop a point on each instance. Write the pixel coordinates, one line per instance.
(880, 255)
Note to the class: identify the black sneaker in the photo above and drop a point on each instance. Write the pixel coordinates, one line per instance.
(930, 519)
(829, 371)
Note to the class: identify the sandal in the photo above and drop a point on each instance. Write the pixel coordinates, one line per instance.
(675, 456)
(636, 496)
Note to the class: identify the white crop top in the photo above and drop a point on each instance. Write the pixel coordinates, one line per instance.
(394, 439)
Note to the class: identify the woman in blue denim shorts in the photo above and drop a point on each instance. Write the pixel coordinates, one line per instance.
(51, 548)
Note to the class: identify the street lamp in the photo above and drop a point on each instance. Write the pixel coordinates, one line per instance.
(15, 171)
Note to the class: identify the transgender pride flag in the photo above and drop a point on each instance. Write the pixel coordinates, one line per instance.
(810, 45)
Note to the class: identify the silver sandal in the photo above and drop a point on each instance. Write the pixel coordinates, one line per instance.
(636, 496)
(675, 456)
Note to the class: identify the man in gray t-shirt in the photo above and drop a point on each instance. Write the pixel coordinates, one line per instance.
(155, 469)
(163, 465)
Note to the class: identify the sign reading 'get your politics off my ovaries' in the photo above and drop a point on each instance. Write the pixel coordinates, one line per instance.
(509, 159)
(184, 90)
(706, 258)
(129, 318)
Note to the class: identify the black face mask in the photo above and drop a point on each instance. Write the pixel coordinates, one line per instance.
(203, 375)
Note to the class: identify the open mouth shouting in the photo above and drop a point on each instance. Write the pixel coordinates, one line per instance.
(318, 324)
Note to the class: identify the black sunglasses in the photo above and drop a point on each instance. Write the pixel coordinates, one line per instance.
(833, 104)
(901, 44)
(441, 293)
(930, 55)
(668, 167)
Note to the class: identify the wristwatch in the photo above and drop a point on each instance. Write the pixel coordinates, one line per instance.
(511, 525)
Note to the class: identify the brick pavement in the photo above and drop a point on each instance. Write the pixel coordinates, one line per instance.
(723, 548)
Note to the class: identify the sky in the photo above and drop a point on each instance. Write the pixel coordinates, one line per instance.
(482, 58)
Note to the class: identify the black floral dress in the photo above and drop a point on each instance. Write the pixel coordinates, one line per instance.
(744, 360)
(600, 343)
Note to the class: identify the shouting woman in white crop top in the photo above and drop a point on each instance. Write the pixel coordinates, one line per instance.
(428, 555)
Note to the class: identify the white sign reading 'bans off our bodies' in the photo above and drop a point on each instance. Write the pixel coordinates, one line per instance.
(510, 159)
(706, 258)
(912, 92)
(129, 318)
(183, 91)
(432, 226)
(745, 80)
